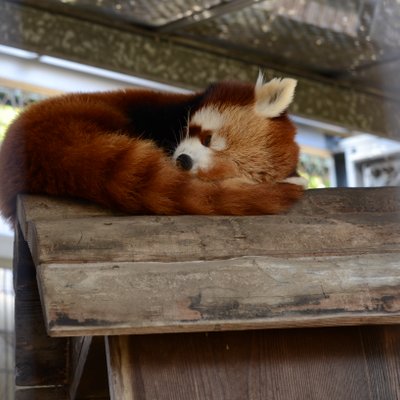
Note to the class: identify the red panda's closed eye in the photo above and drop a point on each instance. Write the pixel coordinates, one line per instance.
(206, 140)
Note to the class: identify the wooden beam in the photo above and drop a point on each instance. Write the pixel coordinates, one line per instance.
(333, 259)
(326, 222)
(194, 238)
(167, 59)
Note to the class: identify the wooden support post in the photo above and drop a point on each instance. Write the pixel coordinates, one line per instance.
(40, 360)
(88, 370)
(121, 367)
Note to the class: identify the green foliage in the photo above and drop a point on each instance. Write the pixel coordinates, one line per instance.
(315, 169)
(7, 114)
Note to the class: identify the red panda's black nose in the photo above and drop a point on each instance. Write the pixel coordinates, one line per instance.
(185, 162)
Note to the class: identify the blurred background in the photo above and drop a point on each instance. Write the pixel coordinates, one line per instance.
(344, 53)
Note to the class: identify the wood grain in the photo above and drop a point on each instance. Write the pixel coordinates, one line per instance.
(331, 363)
(242, 293)
(193, 238)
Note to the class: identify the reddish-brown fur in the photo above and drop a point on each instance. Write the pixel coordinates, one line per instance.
(97, 147)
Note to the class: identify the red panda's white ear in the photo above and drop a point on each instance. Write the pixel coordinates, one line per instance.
(273, 98)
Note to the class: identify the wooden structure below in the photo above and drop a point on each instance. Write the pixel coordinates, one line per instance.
(220, 289)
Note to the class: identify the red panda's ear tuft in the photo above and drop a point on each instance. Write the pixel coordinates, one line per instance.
(274, 97)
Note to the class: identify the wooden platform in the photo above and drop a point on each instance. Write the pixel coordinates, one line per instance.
(333, 260)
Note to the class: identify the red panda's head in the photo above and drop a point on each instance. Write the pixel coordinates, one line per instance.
(241, 131)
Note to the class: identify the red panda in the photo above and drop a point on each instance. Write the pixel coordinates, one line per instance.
(227, 150)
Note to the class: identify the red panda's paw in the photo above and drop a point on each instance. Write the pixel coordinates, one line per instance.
(256, 199)
(288, 193)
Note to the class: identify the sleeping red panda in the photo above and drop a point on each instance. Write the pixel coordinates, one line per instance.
(227, 150)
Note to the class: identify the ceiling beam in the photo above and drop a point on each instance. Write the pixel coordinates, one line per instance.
(158, 57)
(206, 14)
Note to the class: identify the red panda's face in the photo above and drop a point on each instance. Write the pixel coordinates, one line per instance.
(250, 138)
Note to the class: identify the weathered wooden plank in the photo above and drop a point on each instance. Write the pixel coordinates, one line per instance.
(191, 238)
(332, 363)
(324, 222)
(241, 293)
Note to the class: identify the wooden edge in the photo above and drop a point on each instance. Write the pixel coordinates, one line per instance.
(358, 319)
(119, 368)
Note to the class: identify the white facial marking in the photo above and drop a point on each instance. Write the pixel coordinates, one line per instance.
(218, 143)
(297, 180)
(208, 118)
(201, 156)
(274, 97)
